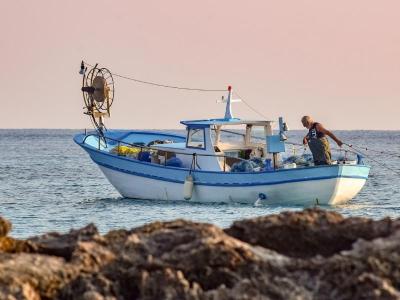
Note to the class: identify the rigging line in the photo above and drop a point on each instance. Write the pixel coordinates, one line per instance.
(249, 106)
(375, 151)
(93, 124)
(332, 148)
(376, 161)
(163, 85)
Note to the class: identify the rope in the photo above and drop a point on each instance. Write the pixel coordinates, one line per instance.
(182, 88)
(332, 148)
(374, 160)
(162, 85)
(249, 106)
(373, 150)
(193, 164)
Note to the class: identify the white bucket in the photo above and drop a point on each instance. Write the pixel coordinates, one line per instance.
(290, 166)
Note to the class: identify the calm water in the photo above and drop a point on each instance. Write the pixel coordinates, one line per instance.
(48, 183)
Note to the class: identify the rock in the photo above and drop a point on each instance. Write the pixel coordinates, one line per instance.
(92, 256)
(92, 295)
(90, 286)
(23, 291)
(313, 254)
(33, 276)
(173, 282)
(10, 245)
(63, 245)
(368, 271)
(310, 232)
(203, 252)
(5, 227)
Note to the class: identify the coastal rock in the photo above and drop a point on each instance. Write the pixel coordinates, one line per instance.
(370, 270)
(291, 255)
(9, 244)
(33, 276)
(310, 232)
(5, 227)
(63, 245)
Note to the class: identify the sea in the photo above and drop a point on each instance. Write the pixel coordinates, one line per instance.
(48, 183)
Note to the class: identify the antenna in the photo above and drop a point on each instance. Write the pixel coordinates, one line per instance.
(98, 94)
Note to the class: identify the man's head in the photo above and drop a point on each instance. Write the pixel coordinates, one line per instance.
(307, 121)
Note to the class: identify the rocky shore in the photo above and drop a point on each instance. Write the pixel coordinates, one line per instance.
(313, 254)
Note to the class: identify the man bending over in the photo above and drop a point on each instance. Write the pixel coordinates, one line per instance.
(318, 142)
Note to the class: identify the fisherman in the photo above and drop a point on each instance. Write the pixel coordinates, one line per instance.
(318, 142)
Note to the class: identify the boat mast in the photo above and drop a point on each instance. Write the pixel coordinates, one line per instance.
(228, 110)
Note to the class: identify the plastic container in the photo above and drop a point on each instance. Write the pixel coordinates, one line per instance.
(174, 162)
(268, 164)
(290, 166)
(144, 156)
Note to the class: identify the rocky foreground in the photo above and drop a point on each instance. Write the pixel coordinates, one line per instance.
(313, 254)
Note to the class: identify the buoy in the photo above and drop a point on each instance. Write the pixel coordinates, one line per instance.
(188, 187)
(261, 197)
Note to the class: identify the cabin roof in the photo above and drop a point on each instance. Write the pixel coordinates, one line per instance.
(233, 121)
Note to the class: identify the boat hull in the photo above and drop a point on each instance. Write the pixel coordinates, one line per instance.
(330, 191)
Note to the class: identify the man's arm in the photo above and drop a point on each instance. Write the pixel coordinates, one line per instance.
(321, 128)
(305, 140)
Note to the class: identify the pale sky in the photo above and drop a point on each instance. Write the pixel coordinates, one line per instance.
(338, 61)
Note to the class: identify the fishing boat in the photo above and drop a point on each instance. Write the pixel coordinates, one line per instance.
(203, 165)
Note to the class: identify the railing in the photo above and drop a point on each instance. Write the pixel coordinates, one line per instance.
(141, 147)
(165, 153)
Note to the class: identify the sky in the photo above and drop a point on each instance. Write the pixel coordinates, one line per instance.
(338, 61)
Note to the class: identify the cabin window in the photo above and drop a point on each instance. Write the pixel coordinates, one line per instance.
(196, 138)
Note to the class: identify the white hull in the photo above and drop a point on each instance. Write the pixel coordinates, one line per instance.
(324, 191)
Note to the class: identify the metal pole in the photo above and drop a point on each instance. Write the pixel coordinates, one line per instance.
(275, 160)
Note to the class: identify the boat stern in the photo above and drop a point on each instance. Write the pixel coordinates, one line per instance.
(349, 183)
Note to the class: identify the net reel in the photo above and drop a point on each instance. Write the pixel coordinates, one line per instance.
(98, 94)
